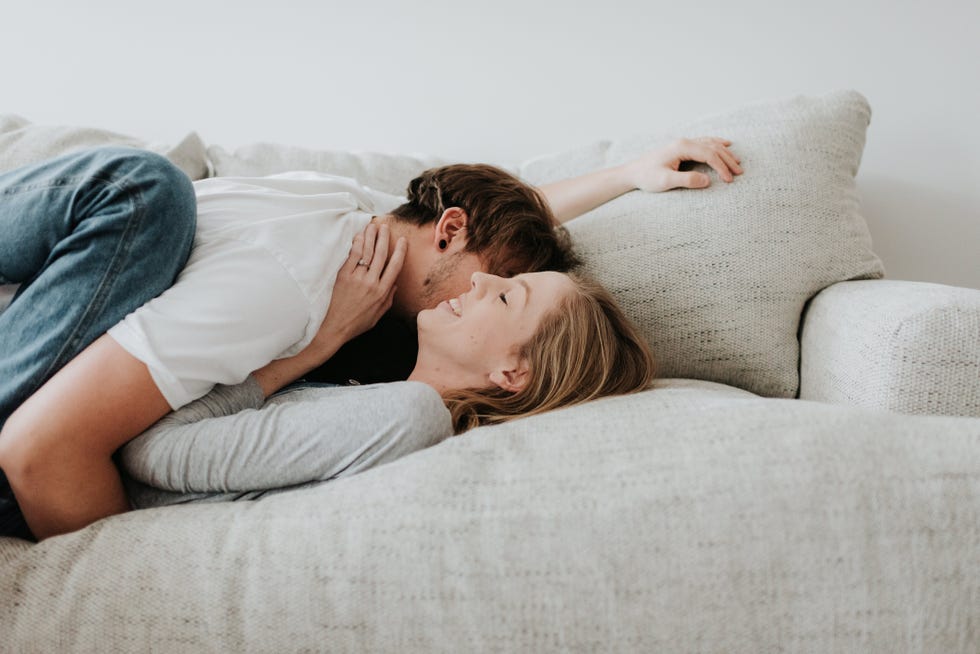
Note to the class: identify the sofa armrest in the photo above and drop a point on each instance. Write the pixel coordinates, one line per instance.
(910, 347)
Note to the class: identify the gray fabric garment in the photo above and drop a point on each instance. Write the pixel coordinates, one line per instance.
(232, 444)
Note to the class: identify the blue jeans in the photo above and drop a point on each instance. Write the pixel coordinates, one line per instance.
(90, 237)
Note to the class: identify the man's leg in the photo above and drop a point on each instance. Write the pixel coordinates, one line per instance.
(89, 237)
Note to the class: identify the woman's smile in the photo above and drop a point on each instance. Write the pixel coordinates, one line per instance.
(453, 305)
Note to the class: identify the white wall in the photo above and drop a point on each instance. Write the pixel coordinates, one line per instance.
(503, 80)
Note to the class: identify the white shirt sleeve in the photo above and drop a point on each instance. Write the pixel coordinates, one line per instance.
(233, 309)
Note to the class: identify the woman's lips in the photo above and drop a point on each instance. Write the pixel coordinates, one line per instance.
(446, 305)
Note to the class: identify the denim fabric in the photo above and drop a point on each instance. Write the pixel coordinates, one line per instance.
(90, 237)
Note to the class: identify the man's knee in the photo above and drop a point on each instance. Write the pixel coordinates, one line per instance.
(162, 193)
(171, 200)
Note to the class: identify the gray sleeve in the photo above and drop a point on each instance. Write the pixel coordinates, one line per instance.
(223, 442)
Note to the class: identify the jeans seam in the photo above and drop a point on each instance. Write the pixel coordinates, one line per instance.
(108, 278)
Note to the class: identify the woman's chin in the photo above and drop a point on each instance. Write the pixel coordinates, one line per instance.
(425, 318)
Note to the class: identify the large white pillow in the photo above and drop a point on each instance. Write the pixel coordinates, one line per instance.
(23, 143)
(717, 278)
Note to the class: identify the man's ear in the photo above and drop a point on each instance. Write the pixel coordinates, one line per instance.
(512, 380)
(450, 231)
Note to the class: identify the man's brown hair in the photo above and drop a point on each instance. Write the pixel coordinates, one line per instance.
(510, 226)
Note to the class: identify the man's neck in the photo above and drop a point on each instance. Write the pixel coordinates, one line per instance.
(397, 229)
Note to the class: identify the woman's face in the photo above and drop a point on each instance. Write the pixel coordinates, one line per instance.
(474, 338)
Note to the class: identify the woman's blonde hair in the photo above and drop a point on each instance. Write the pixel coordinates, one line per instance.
(585, 348)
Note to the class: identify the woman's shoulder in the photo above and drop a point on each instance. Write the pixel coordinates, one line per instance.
(414, 404)
(407, 394)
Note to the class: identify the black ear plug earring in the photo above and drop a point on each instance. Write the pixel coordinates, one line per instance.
(443, 244)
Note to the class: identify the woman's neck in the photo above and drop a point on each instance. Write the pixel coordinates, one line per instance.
(444, 376)
(430, 377)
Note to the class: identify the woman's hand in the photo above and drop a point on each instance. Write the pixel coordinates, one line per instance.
(362, 293)
(657, 170)
(365, 285)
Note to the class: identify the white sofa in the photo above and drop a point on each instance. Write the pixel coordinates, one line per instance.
(803, 476)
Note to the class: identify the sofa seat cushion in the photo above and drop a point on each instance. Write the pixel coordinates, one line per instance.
(642, 523)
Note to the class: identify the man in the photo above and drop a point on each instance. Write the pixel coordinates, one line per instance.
(56, 446)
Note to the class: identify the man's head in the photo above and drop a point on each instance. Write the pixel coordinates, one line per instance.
(468, 218)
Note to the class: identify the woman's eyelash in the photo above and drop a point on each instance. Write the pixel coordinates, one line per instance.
(503, 297)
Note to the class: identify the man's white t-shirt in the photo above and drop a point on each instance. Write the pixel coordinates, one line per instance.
(258, 281)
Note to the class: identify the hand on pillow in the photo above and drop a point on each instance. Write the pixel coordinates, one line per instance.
(657, 170)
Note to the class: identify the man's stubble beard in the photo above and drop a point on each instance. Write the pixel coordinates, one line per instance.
(434, 287)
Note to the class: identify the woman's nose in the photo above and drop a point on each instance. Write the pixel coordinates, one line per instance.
(481, 279)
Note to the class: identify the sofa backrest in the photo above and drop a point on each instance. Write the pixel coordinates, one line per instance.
(716, 278)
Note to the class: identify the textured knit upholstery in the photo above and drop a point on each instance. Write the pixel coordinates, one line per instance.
(689, 518)
(903, 346)
(718, 277)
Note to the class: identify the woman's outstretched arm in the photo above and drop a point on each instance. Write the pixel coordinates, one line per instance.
(653, 172)
(56, 448)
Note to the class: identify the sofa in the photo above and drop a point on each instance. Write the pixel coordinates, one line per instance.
(802, 476)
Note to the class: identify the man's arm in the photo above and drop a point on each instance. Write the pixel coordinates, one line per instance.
(56, 448)
(654, 172)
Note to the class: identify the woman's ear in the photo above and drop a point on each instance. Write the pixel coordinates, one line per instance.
(450, 229)
(513, 380)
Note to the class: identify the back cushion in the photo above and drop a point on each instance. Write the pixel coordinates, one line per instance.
(389, 173)
(717, 278)
(23, 143)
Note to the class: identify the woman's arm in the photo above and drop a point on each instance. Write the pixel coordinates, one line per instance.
(654, 172)
(309, 434)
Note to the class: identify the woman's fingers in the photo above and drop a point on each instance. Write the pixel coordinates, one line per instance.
(367, 254)
(377, 262)
(356, 251)
(395, 263)
(713, 159)
(714, 152)
(730, 160)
